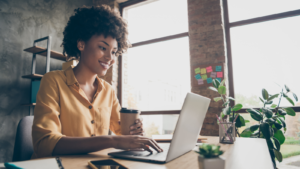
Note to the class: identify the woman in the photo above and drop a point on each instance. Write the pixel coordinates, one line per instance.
(74, 108)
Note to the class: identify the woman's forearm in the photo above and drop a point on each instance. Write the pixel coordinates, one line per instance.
(81, 145)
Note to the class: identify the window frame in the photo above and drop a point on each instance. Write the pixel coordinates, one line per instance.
(229, 25)
(151, 41)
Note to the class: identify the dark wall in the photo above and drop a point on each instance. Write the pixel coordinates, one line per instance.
(21, 22)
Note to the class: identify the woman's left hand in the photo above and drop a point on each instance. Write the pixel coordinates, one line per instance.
(137, 128)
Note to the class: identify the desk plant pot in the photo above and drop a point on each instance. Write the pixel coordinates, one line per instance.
(209, 157)
(211, 163)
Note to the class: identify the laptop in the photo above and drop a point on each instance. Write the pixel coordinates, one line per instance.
(185, 135)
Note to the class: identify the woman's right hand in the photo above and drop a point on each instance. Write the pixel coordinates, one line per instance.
(134, 141)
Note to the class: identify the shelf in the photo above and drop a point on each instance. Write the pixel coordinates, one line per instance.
(29, 104)
(33, 76)
(54, 54)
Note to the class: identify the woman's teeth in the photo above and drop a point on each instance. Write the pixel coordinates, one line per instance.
(106, 66)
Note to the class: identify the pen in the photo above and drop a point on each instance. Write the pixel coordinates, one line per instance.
(11, 166)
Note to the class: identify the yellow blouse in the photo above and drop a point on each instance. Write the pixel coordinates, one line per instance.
(62, 109)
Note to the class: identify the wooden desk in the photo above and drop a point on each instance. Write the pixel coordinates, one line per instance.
(246, 153)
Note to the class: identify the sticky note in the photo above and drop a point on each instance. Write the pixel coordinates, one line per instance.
(220, 80)
(197, 76)
(209, 80)
(204, 77)
(200, 81)
(213, 74)
(209, 69)
(203, 71)
(197, 70)
(219, 74)
(218, 68)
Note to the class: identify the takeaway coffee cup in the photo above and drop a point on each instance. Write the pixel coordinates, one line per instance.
(128, 117)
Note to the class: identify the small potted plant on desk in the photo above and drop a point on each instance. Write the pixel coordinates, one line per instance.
(209, 157)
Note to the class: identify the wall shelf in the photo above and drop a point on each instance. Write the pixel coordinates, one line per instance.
(29, 104)
(43, 51)
(33, 76)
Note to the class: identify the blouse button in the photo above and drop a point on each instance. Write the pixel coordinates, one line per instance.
(92, 121)
(92, 135)
(90, 107)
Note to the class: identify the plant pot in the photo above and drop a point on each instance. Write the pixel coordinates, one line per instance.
(211, 163)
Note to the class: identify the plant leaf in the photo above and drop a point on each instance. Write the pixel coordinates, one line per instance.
(255, 114)
(222, 83)
(279, 136)
(287, 88)
(269, 102)
(237, 107)
(254, 127)
(246, 133)
(230, 98)
(247, 121)
(216, 99)
(225, 104)
(261, 100)
(284, 95)
(277, 144)
(264, 128)
(278, 126)
(290, 100)
(265, 94)
(267, 112)
(273, 97)
(278, 155)
(212, 88)
(216, 83)
(290, 111)
(222, 90)
(270, 144)
(240, 121)
(227, 110)
(295, 96)
(273, 105)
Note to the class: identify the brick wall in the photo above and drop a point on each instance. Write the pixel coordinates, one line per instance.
(207, 47)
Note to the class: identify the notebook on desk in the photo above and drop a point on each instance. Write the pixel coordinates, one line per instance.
(185, 134)
(52, 163)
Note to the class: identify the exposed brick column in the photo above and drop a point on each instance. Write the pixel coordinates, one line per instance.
(207, 46)
(112, 73)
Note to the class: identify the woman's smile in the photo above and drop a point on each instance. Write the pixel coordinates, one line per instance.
(104, 64)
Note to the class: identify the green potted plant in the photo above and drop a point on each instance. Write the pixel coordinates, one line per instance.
(228, 112)
(209, 157)
(271, 121)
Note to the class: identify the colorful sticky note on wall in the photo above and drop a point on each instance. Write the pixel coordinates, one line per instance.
(213, 74)
(220, 80)
(203, 71)
(204, 77)
(197, 70)
(209, 80)
(200, 81)
(209, 69)
(218, 68)
(219, 74)
(197, 76)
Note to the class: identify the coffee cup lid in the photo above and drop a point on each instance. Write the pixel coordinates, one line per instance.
(125, 110)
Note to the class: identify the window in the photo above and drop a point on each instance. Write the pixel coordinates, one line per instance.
(157, 65)
(263, 51)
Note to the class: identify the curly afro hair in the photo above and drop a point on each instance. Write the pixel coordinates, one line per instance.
(95, 20)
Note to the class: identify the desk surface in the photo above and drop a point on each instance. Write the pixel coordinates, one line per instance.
(245, 153)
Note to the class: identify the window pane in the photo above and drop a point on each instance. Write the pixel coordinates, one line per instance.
(159, 124)
(156, 18)
(291, 146)
(266, 55)
(241, 10)
(156, 76)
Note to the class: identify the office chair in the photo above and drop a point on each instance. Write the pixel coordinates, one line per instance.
(23, 143)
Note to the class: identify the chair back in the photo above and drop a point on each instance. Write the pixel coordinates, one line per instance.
(23, 143)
